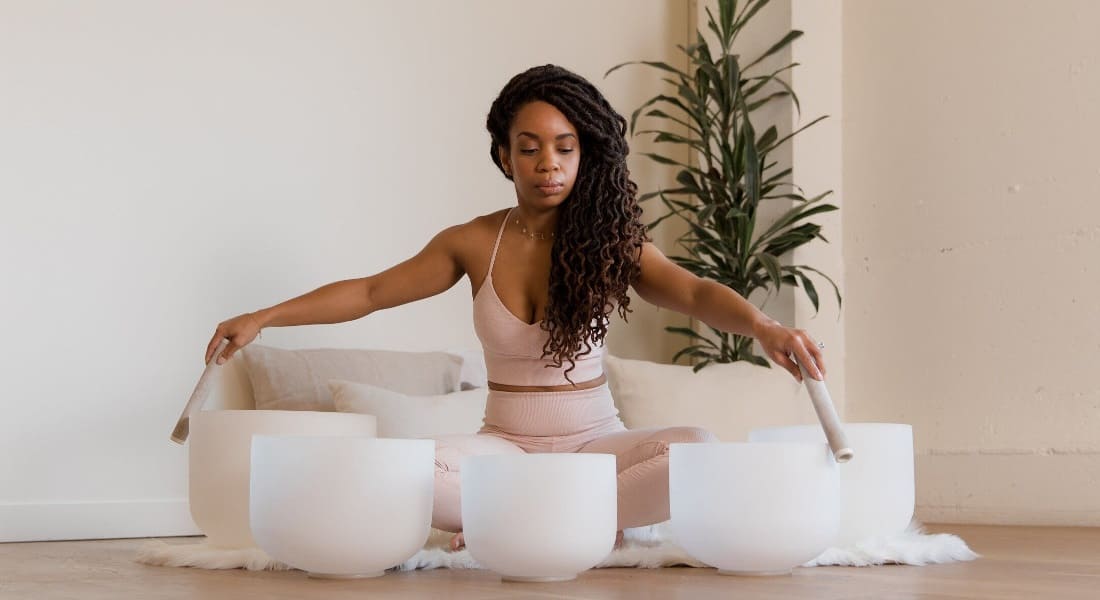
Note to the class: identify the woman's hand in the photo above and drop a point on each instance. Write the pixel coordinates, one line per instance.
(780, 343)
(240, 331)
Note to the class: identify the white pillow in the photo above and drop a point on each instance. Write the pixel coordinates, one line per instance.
(404, 416)
(728, 399)
(297, 379)
(473, 373)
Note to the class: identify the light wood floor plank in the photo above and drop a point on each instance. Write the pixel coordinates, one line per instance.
(1017, 563)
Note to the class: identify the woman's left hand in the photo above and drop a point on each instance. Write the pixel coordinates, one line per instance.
(780, 343)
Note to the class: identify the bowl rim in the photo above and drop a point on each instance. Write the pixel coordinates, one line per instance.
(859, 424)
(342, 438)
(267, 411)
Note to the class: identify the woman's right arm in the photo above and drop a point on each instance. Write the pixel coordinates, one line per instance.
(432, 271)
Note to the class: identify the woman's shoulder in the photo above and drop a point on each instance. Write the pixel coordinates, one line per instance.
(473, 234)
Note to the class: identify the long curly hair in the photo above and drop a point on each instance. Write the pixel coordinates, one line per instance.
(596, 252)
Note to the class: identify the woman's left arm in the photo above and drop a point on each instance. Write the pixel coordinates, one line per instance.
(668, 285)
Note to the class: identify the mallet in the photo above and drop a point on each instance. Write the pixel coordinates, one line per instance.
(198, 397)
(826, 413)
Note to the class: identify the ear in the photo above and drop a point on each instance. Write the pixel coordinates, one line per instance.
(502, 154)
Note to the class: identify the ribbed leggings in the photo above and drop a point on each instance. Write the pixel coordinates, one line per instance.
(574, 421)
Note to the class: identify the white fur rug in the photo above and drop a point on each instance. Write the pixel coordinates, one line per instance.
(643, 547)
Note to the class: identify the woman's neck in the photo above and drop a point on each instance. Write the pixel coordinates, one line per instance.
(542, 222)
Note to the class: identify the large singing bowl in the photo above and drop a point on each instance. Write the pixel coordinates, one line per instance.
(219, 457)
(539, 517)
(753, 509)
(876, 486)
(341, 507)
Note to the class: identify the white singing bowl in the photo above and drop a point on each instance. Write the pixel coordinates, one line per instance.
(539, 517)
(220, 452)
(341, 507)
(753, 509)
(876, 486)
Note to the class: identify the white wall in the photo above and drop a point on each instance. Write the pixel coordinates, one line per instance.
(164, 166)
(971, 232)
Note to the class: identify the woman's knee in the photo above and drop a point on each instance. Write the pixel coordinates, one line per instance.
(689, 435)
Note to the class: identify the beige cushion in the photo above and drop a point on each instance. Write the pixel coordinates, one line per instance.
(404, 416)
(298, 379)
(729, 399)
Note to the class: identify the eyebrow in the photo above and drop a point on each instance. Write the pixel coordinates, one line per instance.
(531, 135)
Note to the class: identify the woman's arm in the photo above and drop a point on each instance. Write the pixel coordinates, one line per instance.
(668, 285)
(433, 270)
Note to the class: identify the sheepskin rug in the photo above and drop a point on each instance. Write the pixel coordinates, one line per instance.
(643, 547)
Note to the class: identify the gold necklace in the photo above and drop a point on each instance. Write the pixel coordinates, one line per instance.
(533, 235)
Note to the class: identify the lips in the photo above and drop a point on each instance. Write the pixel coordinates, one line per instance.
(551, 186)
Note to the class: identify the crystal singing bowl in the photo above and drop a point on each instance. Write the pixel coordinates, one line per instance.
(753, 508)
(340, 507)
(539, 517)
(876, 486)
(220, 452)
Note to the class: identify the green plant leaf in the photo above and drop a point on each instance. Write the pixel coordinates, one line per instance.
(811, 291)
(772, 267)
(799, 212)
(659, 65)
(757, 104)
(836, 290)
(692, 334)
(787, 39)
(791, 134)
(760, 81)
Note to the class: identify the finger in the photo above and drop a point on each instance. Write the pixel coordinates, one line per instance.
(213, 345)
(785, 361)
(819, 358)
(807, 361)
(228, 352)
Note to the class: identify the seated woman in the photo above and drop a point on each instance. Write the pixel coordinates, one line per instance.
(547, 274)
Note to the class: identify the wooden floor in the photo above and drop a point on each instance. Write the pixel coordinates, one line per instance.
(1017, 562)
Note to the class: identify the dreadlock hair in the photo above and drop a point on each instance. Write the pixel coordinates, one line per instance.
(596, 252)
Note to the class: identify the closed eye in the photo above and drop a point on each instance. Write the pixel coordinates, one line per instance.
(533, 151)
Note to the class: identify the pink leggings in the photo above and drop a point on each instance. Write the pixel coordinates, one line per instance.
(580, 421)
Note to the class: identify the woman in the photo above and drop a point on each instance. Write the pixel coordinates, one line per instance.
(547, 273)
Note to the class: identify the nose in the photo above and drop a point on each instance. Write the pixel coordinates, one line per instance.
(548, 163)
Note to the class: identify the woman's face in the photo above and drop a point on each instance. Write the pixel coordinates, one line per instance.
(543, 156)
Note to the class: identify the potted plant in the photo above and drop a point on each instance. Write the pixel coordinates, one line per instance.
(718, 198)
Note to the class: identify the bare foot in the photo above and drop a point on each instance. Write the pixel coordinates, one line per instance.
(618, 540)
(458, 542)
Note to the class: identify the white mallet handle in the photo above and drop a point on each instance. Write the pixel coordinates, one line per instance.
(198, 396)
(826, 413)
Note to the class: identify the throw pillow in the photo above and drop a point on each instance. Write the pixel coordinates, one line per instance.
(298, 379)
(729, 400)
(404, 416)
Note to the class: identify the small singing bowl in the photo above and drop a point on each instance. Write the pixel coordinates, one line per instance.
(219, 457)
(539, 517)
(341, 507)
(753, 508)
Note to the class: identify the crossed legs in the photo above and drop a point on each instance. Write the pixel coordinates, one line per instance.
(641, 458)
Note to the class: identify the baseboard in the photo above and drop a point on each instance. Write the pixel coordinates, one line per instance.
(95, 520)
(978, 515)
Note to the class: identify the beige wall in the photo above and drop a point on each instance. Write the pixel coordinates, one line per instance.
(971, 230)
(164, 166)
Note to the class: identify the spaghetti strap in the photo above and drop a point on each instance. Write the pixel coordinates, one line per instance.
(496, 245)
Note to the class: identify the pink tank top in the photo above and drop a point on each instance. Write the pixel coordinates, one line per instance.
(513, 347)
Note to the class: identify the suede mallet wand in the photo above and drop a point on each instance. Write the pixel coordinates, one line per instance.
(198, 396)
(826, 413)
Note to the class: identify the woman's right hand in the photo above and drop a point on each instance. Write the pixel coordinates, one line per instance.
(240, 331)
